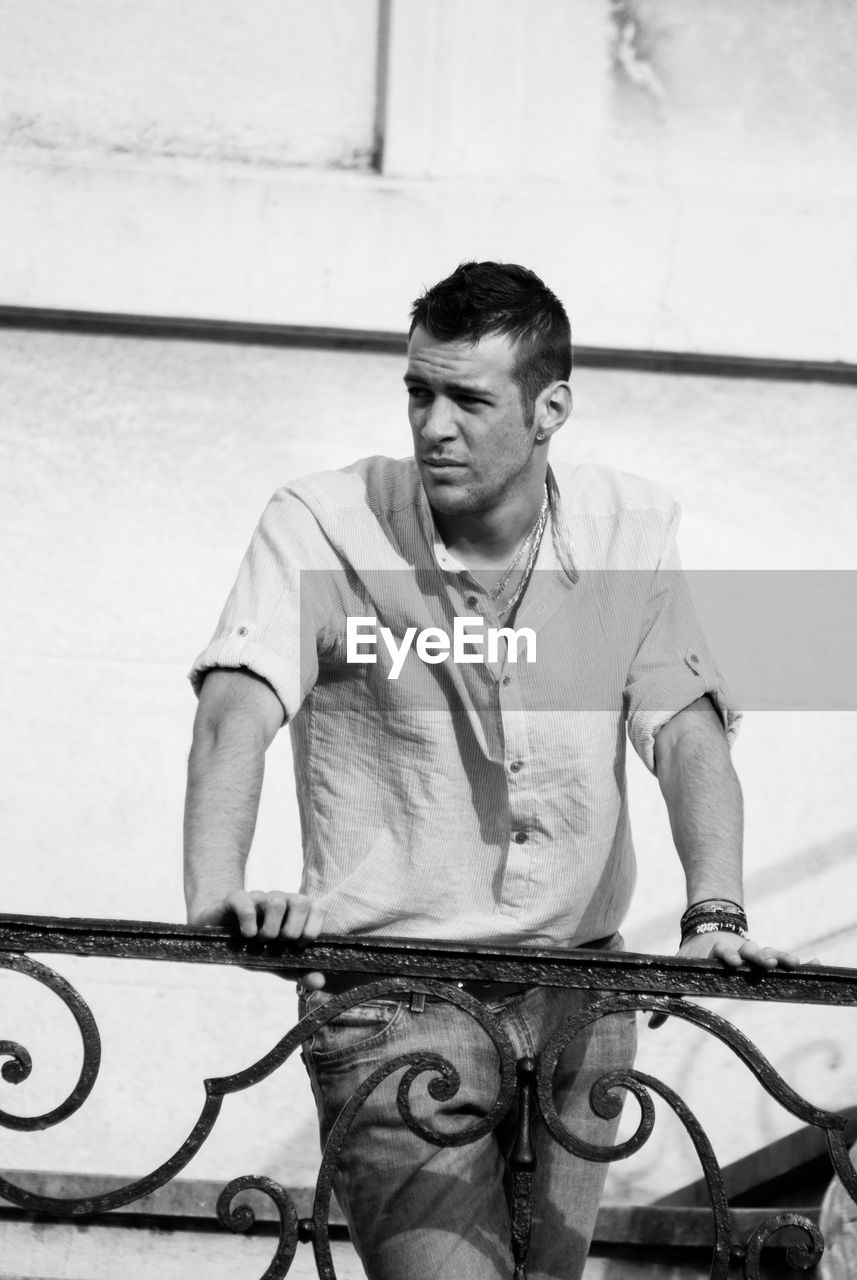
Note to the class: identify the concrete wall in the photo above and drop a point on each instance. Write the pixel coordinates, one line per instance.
(131, 475)
(683, 172)
(199, 81)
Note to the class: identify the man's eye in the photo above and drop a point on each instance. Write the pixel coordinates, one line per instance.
(417, 393)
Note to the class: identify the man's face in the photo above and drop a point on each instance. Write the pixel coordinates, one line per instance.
(472, 441)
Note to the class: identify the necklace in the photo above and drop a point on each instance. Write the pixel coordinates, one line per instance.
(533, 542)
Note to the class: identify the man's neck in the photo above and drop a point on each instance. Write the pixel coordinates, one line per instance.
(489, 539)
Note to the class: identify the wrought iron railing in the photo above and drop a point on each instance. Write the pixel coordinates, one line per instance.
(652, 984)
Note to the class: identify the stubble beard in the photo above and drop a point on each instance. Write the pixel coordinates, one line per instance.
(475, 498)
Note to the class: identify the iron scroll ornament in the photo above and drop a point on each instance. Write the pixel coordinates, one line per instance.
(241, 1218)
(19, 1063)
(533, 1084)
(605, 1102)
(216, 1088)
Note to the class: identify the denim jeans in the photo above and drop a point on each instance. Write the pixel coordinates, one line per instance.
(417, 1211)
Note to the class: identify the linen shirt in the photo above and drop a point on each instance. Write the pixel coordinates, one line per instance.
(473, 801)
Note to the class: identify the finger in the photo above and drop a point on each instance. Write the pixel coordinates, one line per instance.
(789, 960)
(243, 906)
(657, 1020)
(764, 957)
(315, 981)
(298, 912)
(728, 954)
(274, 906)
(313, 923)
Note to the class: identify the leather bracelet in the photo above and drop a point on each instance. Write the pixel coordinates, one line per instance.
(701, 912)
(725, 903)
(716, 926)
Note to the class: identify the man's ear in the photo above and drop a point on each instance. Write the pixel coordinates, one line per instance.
(553, 408)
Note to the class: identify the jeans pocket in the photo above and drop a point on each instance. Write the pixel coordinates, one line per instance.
(353, 1034)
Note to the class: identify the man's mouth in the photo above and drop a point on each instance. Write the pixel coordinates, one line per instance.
(441, 463)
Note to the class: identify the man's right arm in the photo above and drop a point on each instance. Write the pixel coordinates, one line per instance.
(237, 719)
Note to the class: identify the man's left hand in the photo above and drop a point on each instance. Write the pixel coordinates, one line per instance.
(734, 950)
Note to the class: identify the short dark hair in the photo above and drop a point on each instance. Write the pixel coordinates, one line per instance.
(482, 298)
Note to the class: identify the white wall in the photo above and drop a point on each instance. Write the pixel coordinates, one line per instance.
(201, 80)
(131, 476)
(682, 172)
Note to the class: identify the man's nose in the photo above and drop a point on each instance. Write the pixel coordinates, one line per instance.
(438, 421)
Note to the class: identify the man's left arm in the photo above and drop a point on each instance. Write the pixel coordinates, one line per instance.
(703, 799)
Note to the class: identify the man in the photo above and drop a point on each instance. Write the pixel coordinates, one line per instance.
(463, 786)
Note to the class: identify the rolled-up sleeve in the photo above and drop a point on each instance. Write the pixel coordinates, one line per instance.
(269, 625)
(672, 666)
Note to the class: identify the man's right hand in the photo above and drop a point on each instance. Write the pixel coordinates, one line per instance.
(268, 915)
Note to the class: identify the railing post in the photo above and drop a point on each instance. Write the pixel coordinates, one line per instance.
(522, 1164)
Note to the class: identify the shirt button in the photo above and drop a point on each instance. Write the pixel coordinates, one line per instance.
(507, 680)
(242, 631)
(520, 837)
(516, 766)
(471, 601)
(694, 657)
